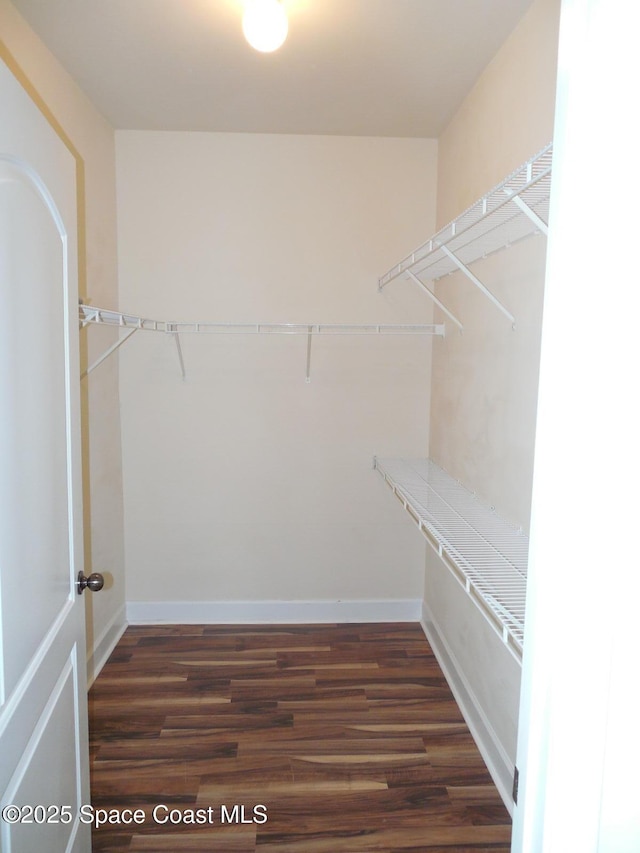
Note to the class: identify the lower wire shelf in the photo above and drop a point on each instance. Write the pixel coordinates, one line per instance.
(486, 554)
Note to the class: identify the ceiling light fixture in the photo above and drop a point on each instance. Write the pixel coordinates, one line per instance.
(265, 24)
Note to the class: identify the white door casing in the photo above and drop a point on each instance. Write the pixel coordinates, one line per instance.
(43, 715)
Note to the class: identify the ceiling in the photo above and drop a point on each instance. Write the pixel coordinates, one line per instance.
(348, 67)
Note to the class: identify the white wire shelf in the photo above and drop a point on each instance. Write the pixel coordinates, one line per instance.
(131, 323)
(91, 314)
(486, 554)
(517, 208)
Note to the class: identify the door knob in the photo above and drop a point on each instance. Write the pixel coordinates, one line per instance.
(94, 582)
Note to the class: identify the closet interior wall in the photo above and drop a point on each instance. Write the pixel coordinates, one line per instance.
(250, 493)
(484, 381)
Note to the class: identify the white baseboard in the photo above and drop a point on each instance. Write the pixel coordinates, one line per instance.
(271, 612)
(499, 765)
(105, 644)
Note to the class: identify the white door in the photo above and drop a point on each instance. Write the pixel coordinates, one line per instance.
(43, 720)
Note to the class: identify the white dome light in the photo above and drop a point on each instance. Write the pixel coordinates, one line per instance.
(264, 24)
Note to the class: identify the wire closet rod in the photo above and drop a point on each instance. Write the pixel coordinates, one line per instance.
(90, 314)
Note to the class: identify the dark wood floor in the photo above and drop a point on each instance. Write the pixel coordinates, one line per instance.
(345, 738)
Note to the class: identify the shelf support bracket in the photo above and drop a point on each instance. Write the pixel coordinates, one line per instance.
(477, 283)
(107, 353)
(435, 299)
(309, 339)
(171, 330)
(533, 216)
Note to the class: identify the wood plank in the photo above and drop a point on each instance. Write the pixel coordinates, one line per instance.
(347, 734)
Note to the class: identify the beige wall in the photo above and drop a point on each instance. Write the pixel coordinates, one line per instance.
(484, 381)
(244, 483)
(507, 116)
(92, 140)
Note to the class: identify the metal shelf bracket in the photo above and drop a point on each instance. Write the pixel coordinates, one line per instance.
(309, 339)
(435, 299)
(540, 224)
(108, 352)
(88, 315)
(474, 278)
(176, 337)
